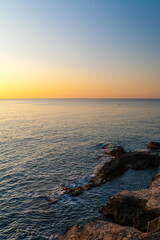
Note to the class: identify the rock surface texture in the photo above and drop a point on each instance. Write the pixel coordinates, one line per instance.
(101, 230)
(154, 145)
(155, 236)
(120, 161)
(135, 208)
(74, 191)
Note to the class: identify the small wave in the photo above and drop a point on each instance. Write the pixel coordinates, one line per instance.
(59, 195)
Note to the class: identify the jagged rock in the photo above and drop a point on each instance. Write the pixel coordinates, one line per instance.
(154, 179)
(135, 208)
(113, 150)
(142, 160)
(154, 145)
(119, 163)
(74, 191)
(134, 160)
(101, 230)
(106, 146)
(155, 236)
(113, 168)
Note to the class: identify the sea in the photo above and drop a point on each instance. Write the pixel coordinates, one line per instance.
(46, 144)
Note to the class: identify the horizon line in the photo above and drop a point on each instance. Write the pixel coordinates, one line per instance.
(134, 98)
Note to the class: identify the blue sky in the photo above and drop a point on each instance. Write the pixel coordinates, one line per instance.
(102, 38)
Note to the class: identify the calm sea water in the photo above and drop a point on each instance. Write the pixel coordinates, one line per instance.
(45, 143)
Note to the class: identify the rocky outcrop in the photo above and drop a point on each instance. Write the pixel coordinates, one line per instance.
(155, 236)
(74, 191)
(134, 160)
(154, 145)
(113, 151)
(154, 180)
(120, 161)
(142, 160)
(101, 230)
(135, 208)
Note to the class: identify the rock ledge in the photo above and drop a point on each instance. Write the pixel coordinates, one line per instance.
(135, 208)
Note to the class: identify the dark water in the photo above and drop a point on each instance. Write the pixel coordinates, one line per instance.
(44, 143)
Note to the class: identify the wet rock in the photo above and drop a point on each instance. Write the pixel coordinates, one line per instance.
(142, 160)
(134, 160)
(119, 163)
(113, 168)
(113, 150)
(101, 230)
(88, 186)
(154, 145)
(135, 208)
(106, 146)
(51, 200)
(74, 191)
(93, 182)
(116, 151)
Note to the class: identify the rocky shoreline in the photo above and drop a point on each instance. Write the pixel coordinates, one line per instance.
(135, 208)
(120, 161)
(130, 210)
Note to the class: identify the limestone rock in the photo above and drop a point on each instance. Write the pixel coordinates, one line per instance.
(155, 236)
(74, 191)
(142, 159)
(154, 179)
(135, 160)
(135, 208)
(119, 163)
(154, 145)
(101, 230)
(113, 150)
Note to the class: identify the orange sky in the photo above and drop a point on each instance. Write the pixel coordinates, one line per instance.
(80, 51)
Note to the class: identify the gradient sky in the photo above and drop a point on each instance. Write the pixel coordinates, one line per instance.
(79, 49)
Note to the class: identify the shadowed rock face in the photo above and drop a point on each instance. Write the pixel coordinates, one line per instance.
(155, 236)
(113, 151)
(141, 160)
(101, 230)
(135, 208)
(75, 191)
(154, 145)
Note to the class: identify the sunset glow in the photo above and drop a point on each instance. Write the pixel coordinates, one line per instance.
(79, 49)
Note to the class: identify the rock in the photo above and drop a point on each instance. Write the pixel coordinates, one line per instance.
(106, 146)
(88, 186)
(101, 230)
(135, 208)
(154, 145)
(51, 200)
(113, 150)
(142, 160)
(75, 191)
(155, 236)
(134, 160)
(154, 179)
(113, 168)
(119, 163)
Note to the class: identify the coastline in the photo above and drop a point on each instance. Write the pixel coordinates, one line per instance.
(133, 212)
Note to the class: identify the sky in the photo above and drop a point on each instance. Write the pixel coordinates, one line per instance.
(79, 49)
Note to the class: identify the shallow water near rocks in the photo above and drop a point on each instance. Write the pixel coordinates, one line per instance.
(47, 143)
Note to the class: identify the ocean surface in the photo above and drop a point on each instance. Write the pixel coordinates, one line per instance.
(47, 143)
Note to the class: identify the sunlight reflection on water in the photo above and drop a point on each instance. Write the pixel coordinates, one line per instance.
(44, 143)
